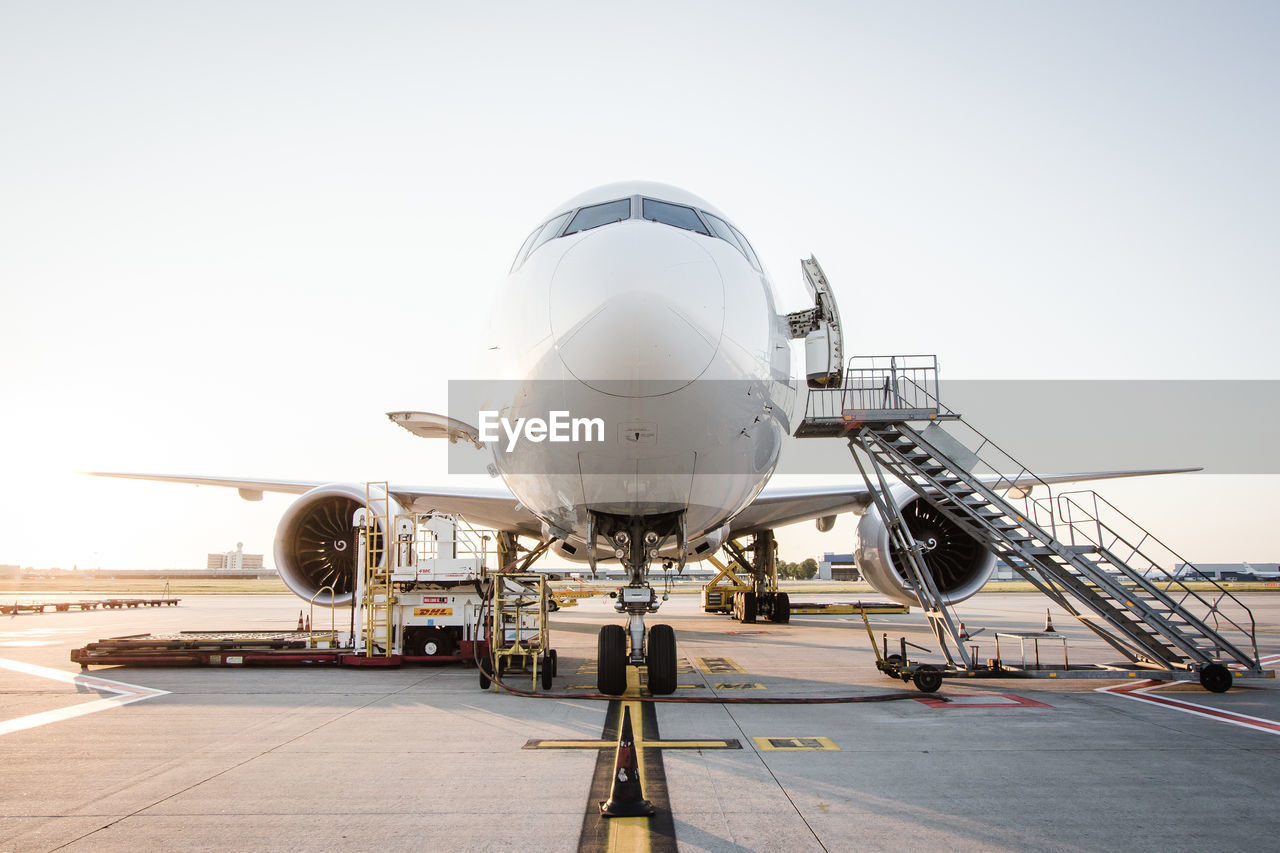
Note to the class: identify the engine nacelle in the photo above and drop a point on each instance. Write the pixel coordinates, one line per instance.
(316, 545)
(959, 564)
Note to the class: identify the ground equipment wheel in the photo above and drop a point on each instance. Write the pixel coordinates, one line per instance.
(485, 672)
(547, 669)
(735, 607)
(749, 608)
(1215, 678)
(611, 662)
(555, 663)
(553, 605)
(781, 608)
(662, 660)
(927, 679)
(431, 642)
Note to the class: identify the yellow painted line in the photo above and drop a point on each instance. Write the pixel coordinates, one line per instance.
(602, 744)
(792, 743)
(718, 666)
(632, 833)
(629, 834)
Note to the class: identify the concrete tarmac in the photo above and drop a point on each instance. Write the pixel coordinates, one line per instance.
(420, 758)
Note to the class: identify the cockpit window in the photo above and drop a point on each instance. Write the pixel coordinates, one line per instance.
(599, 214)
(540, 235)
(723, 231)
(548, 231)
(733, 237)
(672, 214)
(524, 249)
(750, 252)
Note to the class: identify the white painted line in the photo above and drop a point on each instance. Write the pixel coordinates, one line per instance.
(1140, 690)
(125, 694)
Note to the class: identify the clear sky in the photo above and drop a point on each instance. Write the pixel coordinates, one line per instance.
(233, 235)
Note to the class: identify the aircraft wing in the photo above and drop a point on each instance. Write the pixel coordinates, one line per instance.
(498, 509)
(780, 505)
(494, 508)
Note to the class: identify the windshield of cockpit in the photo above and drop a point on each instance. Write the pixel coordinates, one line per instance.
(651, 209)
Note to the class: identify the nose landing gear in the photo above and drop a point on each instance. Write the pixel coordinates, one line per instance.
(637, 541)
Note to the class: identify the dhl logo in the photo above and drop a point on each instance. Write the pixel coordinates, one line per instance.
(433, 611)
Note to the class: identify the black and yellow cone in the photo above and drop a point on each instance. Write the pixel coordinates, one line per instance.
(626, 799)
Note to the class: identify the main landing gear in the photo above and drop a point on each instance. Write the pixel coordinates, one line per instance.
(636, 541)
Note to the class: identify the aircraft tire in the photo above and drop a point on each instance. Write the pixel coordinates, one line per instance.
(781, 608)
(748, 608)
(611, 663)
(485, 679)
(662, 660)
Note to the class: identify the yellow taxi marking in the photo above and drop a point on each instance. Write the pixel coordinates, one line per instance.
(782, 744)
(655, 744)
(718, 666)
(629, 834)
(632, 833)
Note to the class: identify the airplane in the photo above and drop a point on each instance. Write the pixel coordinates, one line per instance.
(642, 306)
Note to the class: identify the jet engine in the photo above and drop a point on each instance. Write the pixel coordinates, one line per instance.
(316, 544)
(958, 563)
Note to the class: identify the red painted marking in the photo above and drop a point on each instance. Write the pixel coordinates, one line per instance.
(1141, 690)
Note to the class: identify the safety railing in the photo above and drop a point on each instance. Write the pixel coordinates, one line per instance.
(879, 384)
(1089, 519)
(315, 637)
(997, 470)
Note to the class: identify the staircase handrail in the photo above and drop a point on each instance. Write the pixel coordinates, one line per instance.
(1079, 520)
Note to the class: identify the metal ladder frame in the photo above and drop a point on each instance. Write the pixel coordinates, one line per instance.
(1145, 623)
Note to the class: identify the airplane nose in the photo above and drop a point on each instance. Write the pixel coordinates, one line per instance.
(639, 303)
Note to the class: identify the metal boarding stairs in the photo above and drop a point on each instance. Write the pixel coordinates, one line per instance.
(1076, 548)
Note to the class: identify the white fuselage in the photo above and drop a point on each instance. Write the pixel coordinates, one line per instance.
(668, 335)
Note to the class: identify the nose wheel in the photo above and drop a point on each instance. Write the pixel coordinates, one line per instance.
(612, 660)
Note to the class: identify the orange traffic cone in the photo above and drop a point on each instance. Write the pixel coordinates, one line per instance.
(308, 628)
(299, 620)
(1048, 622)
(964, 632)
(625, 797)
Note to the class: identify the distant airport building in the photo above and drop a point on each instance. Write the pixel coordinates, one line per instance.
(1234, 571)
(10, 572)
(234, 561)
(838, 567)
(1005, 572)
